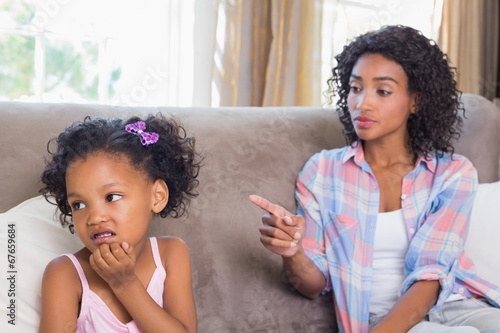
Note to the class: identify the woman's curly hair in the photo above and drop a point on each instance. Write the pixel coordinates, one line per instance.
(436, 123)
(173, 158)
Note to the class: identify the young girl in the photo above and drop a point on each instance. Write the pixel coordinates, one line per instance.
(382, 222)
(110, 178)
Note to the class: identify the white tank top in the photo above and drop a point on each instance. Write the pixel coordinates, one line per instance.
(390, 248)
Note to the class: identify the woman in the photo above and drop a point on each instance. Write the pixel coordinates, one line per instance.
(382, 222)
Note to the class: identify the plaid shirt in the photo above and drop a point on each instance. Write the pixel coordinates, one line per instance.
(338, 196)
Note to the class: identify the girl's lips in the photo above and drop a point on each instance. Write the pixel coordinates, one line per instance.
(101, 236)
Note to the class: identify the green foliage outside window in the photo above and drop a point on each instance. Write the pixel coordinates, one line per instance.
(68, 63)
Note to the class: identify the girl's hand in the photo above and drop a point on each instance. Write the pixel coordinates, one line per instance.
(281, 231)
(114, 263)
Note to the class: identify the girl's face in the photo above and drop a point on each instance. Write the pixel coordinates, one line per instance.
(379, 100)
(111, 202)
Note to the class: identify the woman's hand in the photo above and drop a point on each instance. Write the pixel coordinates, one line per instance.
(281, 231)
(114, 263)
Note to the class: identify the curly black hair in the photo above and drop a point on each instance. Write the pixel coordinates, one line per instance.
(173, 158)
(437, 121)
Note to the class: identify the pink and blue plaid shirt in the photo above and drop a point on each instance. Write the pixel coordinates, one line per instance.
(338, 196)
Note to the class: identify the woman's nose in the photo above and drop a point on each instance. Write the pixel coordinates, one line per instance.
(363, 101)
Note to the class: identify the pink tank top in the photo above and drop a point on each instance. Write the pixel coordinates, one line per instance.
(95, 316)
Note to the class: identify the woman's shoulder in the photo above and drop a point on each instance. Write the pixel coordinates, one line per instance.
(448, 168)
(453, 162)
(448, 156)
(331, 153)
(324, 159)
(328, 155)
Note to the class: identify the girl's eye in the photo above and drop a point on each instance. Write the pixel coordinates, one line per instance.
(384, 92)
(77, 205)
(113, 197)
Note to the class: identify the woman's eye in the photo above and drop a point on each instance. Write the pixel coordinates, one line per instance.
(355, 89)
(384, 92)
(77, 205)
(113, 197)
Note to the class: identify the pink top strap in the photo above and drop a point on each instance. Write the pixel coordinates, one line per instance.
(79, 269)
(95, 316)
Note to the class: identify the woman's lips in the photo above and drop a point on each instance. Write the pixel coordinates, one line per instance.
(364, 122)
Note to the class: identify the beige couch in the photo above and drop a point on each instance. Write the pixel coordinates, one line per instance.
(239, 286)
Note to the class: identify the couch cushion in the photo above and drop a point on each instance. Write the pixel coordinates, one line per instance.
(39, 238)
(482, 243)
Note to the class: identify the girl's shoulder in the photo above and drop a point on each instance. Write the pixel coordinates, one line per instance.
(61, 294)
(173, 250)
(63, 264)
(60, 272)
(170, 241)
(60, 264)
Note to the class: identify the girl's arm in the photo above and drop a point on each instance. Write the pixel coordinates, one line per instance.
(178, 313)
(178, 298)
(411, 308)
(61, 288)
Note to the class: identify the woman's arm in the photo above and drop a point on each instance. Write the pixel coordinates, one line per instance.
(303, 274)
(61, 288)
(411, 308)
(178, 313)
(435, 248)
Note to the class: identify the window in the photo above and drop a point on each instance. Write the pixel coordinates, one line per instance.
(122, 52)
(152, 52)
(346, 19)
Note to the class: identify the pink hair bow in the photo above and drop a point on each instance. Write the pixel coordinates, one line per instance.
(137, 128)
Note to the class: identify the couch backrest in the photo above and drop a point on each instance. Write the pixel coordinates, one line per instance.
(480, 140)
(247, 150)
(240, 143)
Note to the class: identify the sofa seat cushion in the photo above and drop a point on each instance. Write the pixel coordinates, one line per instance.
(482, 244)
(38, 238)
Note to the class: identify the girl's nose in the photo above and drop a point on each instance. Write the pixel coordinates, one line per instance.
(96, 216)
